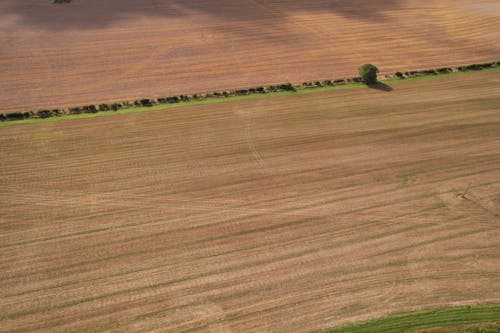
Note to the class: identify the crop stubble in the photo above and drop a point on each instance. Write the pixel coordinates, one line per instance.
(289, 213)
(104, 51)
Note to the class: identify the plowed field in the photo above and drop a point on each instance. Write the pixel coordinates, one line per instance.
(285, 214)
(93, 51)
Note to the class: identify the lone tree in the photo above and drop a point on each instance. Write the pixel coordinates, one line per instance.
(368, 73)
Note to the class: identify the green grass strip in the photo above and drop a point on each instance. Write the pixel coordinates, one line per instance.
(451, 319)
(216, 100)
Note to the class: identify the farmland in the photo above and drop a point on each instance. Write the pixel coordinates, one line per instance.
(292, 213)
(93, 51)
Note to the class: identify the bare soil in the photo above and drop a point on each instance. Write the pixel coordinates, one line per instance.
(285, 214)
(92, 51)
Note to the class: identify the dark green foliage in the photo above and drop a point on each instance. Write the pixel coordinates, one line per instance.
(287, 87)
(116, 106)
(240, 92)
(89, 108)
(339, 82)
(427, 72)
(61, 1)
(260, 90)
(327, 83)
(399, 75)
(103, 107)
(44, 113)
(146, 102)
(173, 99)
(444, 70)
(476, 67)
(75, 110)
(368, 73)
(2, 117)
(14, 116)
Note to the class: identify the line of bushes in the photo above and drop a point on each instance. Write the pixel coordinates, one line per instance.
(146, 102)
(446, 70)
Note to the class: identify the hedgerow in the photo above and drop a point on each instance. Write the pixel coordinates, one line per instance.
(147, 102)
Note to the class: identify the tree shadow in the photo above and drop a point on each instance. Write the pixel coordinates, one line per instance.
(96, 14)
(380, 86)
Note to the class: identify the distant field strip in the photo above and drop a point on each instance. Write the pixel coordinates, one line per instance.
(90, 52)
(296, 213)
(453, 320)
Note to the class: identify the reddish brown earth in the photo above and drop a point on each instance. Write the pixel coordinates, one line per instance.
(94, 51)
(283, 214)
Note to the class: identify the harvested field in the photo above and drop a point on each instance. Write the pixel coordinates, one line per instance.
(284, 214)
(93, 51)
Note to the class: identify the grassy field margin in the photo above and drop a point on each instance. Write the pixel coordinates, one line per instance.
(460, 319)
(229, 99)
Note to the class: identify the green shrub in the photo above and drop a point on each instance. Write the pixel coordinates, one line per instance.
(14, 116)
(75, 110)
(240, 92)
(89, 108)
(287, 87)
(427, 72)
(103, 107)
(368, 73)
(399, 75)
(116, 106)
(2, 117)
(173, 99)
(444, 70)
(44, 113)
(145, 102)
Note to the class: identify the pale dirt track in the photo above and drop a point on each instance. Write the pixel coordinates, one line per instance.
(285, 214)
(95, 51)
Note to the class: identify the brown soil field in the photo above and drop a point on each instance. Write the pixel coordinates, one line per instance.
(93, 51)
(283, 214)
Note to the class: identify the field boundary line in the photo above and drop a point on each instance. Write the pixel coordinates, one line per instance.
(161, 103)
